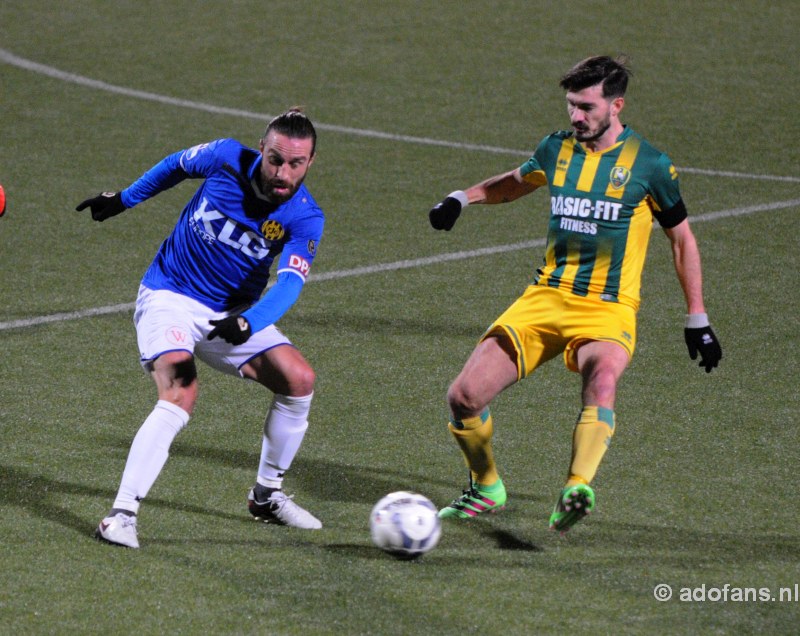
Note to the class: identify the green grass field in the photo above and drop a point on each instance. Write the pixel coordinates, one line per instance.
(412, 100)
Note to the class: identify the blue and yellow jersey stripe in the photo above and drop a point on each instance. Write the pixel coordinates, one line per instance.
(601, 212)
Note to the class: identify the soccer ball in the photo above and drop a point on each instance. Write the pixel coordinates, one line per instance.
(405, 524)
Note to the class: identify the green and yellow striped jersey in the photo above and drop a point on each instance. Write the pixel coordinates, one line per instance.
(602, 206)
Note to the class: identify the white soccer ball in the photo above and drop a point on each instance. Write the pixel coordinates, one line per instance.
(405, 524)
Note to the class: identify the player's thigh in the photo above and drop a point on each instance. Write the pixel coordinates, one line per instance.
(589, 320)
(165, 322)
(283, 370)
(236, 359)
(531, 328)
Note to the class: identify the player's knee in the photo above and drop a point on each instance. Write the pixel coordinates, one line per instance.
(183, 396)
(462, 401)
(301, 381)
(601, 387)
(175, 375)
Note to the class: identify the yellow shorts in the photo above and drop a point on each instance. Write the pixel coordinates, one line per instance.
(545, 321)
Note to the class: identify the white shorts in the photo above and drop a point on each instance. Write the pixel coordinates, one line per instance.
(166, 321)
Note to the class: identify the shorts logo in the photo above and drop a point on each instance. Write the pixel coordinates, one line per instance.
(177, 335)
(312, 247)
(300, 264)
(619, 176)
(272, 230)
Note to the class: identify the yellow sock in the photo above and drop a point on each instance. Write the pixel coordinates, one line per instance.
(474, 437)
(591, 438)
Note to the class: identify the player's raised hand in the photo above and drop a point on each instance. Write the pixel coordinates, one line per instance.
(234, 330)
(103, 206)
(444, 214)
(700, 338)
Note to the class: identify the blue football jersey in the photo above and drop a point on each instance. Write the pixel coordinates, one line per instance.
(227, 237)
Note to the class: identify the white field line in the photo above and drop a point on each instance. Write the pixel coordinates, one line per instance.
(72, 78)
(394, 266)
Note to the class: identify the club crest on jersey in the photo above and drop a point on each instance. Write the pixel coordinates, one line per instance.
(619, 176)
(272, 230)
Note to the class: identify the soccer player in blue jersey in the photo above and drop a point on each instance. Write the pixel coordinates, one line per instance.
(606, 186)
(201, 298)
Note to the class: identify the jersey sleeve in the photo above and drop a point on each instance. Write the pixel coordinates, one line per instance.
(293, 269)
(300, 250)
(196, 162)
(275, 303)
(162, 176)
(532, 170)
(203, 160)
(668, 207)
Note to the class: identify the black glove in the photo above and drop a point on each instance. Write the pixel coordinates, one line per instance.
(234, 330)
(104, 205)
(703, 340)
(444, 214)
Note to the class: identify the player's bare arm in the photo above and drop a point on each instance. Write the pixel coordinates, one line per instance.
(698, 334)
(501, 188)
(686, 257)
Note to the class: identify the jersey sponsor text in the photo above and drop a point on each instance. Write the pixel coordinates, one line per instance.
(584, 208)
(574, 225)
(230, 233)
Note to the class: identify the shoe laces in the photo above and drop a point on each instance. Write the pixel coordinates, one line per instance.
(466, 495)
(287, 510)
(126, 520)
(278, 499)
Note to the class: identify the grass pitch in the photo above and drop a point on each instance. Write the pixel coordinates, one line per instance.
(412, 100)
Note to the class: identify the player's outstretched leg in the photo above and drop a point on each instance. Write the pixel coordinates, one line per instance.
(475, 500)
(271, 505)
(574, 503)
(148, 454)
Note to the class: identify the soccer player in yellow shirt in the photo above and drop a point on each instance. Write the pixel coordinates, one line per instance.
(606, 184)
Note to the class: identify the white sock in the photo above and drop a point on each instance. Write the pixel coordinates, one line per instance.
(284, 430)
(148, 453)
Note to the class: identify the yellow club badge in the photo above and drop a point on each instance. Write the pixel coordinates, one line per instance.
(272, 230)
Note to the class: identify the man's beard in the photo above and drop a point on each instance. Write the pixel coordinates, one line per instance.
(583, 137)
(274, 197)
(268, 189)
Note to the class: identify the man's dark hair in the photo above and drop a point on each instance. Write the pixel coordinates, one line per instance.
(612, 72)
(294, 124)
